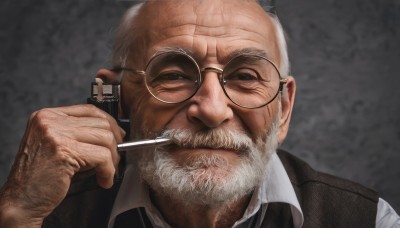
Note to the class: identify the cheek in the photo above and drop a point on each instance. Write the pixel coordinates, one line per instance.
(155, 116)
(259, 121)
(148, 116)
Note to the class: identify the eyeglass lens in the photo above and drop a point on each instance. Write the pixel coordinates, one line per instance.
(249, 81)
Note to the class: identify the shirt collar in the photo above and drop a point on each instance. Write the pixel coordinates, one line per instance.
(275, 187)
(132, 194)
(278, 188)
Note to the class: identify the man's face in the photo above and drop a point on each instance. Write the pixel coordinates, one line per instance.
(211, 31)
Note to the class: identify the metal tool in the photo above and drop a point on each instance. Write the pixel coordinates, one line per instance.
(128, 146)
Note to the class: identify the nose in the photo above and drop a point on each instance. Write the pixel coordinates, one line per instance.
(209, 106)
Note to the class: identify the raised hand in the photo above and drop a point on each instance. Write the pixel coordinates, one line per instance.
(58, 144)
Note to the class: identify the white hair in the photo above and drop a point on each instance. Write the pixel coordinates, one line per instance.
(196, 182)
(126, 37)
(284, 68)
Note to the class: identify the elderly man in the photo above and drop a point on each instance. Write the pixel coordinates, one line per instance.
(212, 76)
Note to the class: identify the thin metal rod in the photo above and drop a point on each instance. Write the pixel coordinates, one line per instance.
(128, 146)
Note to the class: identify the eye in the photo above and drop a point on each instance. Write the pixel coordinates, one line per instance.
(172, 76)
(242, 75)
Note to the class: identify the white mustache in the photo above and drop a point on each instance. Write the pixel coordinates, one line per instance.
(212, 138)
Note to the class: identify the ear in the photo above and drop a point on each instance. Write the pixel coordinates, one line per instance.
(109, 76)
(287, 101)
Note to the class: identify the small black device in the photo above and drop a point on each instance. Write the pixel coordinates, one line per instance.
(105, 96)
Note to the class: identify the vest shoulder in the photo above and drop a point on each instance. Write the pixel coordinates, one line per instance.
(303, 176)
(329, 201)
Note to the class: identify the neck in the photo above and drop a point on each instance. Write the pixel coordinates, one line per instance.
(180, 214)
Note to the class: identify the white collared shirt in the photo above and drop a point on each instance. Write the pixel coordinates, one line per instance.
(275, 187)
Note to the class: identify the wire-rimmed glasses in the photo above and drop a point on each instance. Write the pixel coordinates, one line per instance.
(249, 81)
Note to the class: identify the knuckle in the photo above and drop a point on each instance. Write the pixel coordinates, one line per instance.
(42, 128)
(106, 157)
(93, 109)
(32, 116)
(109, 139)
(68, 157)
(45, 127)
(42, 117)
(90, 107)
(43, 113)
(105, 123)
(109, 135)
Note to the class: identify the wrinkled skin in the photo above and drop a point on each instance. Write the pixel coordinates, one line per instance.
(211, 31)
(62, 142)
(58, 144)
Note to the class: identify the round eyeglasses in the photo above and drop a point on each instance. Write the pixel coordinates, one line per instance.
(249, 81)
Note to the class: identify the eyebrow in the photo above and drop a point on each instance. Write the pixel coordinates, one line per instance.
(235, 53)
(176, 49)
(247, 51)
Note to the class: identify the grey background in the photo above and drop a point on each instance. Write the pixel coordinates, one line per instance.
(345, 57)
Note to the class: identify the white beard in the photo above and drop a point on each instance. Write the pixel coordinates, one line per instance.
(199, 180)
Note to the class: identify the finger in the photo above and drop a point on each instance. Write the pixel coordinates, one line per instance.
(102, 130)
(99, 137)
(88, 110)
(90, 122)
(93, 122)
(82, 110)
(75, 112)
(98, 158)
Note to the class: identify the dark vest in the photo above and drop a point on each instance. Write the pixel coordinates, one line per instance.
(326, 201)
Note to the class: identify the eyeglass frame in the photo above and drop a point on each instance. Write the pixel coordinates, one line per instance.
(219, 71)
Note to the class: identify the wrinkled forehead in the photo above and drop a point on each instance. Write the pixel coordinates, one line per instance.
(213, 18)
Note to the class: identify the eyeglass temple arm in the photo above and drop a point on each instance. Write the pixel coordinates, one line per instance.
(118, 69)
(282, 82)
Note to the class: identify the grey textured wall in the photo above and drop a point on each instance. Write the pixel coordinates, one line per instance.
(344, 54)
